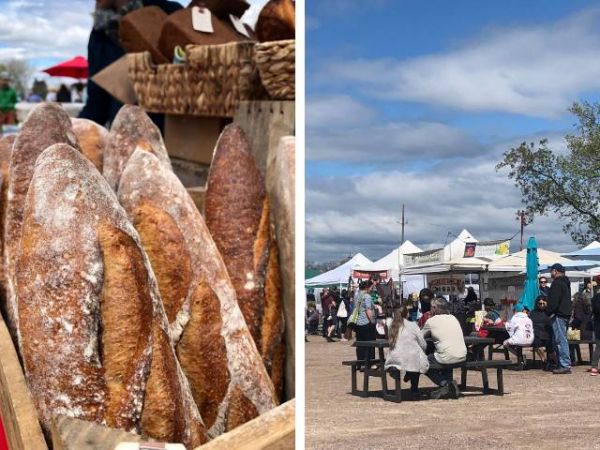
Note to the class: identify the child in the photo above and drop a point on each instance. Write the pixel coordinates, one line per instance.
(520, 329)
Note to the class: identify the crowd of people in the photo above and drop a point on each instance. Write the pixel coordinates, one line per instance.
(425, 316)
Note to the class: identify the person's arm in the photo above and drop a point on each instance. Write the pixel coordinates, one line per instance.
(420, 339)
(369, 309)
(426, 331)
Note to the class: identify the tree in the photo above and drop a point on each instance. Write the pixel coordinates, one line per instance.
(567, 184)
(19, 71)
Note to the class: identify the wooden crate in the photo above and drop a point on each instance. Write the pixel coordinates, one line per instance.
(271, 431)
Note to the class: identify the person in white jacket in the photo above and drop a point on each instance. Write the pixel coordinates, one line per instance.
(520, 329)
(407, 349)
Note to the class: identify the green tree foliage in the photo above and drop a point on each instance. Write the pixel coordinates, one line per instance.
(566, 183)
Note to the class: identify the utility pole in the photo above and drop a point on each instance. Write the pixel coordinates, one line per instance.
(521, 215)
(402, 240)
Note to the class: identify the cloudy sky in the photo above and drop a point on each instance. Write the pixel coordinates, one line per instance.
(51, 31)
(414, 105)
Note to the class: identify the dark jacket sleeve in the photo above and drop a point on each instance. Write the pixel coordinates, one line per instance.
(101, 107)
(554, 296)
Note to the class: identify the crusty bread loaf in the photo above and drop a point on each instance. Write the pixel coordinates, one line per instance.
(46, 124)
(131, 129)
(280, 181)
(93, 331)
(92, 140)
(178, 30)
(213, 344)
(6, 144)
(276, 21)
(140, 29)
(237, 215)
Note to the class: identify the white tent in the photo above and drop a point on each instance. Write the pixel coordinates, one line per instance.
(459, 264)
(585, 253)
(391, 261)
(517, 262)
(340, 274)
(456, 248)
(594, 244)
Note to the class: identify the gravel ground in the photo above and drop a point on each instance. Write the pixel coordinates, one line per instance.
(539, 410)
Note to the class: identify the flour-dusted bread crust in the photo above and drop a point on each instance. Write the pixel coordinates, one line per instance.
(6, 144)
(47, 124)
(85, 303)
(215, 349)
(94, 335)
(131, 129)
(92, 140)
(237, 215)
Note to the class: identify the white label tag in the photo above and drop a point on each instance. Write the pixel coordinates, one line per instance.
(238, 25)
(201, 20)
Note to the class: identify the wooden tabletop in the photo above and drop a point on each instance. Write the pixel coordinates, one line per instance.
(383, 343)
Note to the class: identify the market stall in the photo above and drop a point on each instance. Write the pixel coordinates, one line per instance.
(161, 307)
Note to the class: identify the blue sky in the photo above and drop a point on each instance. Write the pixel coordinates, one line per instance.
(415, 105)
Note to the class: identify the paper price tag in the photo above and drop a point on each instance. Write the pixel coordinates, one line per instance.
(238, 25)
(201, 20)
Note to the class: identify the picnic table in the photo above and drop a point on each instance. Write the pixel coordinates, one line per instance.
(376, 368)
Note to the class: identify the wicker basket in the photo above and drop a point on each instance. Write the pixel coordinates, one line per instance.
(276, 64)
(220, 76)
(144, 77)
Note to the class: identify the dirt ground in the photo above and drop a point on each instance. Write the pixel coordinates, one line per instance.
(538, 411)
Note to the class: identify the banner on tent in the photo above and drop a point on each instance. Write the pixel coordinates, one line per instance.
(489, 249)
(426, 257)
(446, 285)
(361, 275)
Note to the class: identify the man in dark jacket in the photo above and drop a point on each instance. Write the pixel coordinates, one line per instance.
(559, 308)
(104, 49)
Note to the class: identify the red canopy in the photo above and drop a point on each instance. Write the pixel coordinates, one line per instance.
(74, 68)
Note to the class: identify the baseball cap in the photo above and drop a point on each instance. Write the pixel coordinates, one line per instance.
(558, 267)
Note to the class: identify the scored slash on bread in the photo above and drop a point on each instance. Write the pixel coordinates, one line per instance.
(46, 124)
(131, 129)
(93, 331)
(213, 344)
(237, 215)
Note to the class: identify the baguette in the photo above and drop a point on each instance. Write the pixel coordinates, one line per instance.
(92, 140)
(132, 128)
(6, 144)
(213, 344)
(93, 331)
(46, 124)
(237, 215)
(280, 179)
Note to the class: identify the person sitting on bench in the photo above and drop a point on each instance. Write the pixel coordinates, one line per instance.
(407, 348)
(542, 332)
(450, 347)
(520, 329)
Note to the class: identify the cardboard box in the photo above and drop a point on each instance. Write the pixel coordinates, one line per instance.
(193, 138)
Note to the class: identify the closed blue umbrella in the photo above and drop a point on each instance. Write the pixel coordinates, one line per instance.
(531, 289)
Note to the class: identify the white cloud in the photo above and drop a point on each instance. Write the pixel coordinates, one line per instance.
(336, 110)
(395, 141)
(362, 213)
(534, 70)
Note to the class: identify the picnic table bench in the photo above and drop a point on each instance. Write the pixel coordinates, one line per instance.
(499, 334)
(376, 368)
